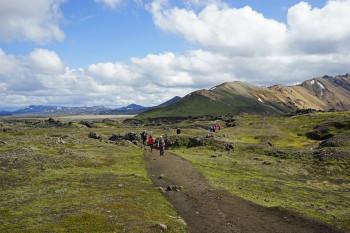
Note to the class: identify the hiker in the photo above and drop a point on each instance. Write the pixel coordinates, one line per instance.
(161, 145)
(144, 137)
(150, 142)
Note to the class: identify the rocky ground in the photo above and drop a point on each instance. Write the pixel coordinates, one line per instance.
(61, 175)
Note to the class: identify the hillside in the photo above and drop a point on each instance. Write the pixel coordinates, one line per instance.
(324, 93)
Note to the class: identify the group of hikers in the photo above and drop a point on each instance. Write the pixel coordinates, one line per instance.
(148, 140)
(214, 128)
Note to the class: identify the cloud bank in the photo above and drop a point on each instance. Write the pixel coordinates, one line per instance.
(233, 44)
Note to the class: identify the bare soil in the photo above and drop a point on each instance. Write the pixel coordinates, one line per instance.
(206, 209)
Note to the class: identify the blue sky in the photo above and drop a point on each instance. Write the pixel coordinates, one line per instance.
(118, 52)
(96, 33)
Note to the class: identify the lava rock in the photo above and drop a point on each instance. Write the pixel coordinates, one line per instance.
(336, 141)
(174, 188)
(94, 135)
(162, 226)
(116, 137)
(87, 124)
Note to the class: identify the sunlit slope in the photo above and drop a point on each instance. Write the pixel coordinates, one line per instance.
(323, 93)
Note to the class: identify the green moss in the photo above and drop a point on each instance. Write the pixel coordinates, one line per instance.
(83, 185)
(273, 165)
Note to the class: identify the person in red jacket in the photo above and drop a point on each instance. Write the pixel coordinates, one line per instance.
(150, 142)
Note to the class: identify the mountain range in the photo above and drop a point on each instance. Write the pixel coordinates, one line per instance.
(44, 110)
(323, 93)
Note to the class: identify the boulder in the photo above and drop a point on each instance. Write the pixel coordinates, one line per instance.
(319, 134)
(116, 137)
(336, 141)
(49, 123)
(229, 147)
(331, 153)
(87, 124)
(131, 137)
(162, 226)
(94, 135)
(174, 188)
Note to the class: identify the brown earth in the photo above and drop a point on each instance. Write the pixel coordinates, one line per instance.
(209, 210)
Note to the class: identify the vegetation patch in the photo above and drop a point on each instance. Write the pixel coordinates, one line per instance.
(59, 180)
(274, 164)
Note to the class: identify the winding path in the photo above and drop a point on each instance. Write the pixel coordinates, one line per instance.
(209, 210)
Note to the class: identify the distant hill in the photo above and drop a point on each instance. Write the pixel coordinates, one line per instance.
(137, 109)
(5, 113)
(44, 110)
(57, 110)
(130, 109)
(324, 93)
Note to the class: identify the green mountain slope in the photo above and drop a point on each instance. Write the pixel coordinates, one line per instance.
(236, 97)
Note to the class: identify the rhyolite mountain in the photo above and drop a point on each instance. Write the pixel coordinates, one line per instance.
(323, 93)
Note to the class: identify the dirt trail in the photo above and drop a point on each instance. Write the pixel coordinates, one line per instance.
(209, 210)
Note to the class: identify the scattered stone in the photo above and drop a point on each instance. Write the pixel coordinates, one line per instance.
(173, 188)
(162, 226)
(116, 137)
(182, 221)
(161, 189)
(161, 176)
(50, 123)
(330, 153)
(132, 136)
(336, 141)
(229, 147)
(3, 143)
(94, 135)
(61, 141)
(87, 124)
(213, 156)
(120, 185)
(108, 211)
(266, 163)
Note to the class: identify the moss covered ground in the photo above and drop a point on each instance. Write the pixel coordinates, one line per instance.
(274, 165)
(59, 180)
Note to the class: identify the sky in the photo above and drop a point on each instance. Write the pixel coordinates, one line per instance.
(118, 52)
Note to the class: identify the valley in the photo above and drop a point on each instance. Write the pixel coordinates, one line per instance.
(55, 175)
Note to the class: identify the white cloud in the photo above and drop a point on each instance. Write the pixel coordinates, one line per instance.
(113, 4)
(45, 61)
(36, 20)
(320, 30)
(151, 79)
(244, 31)
(234, 44)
